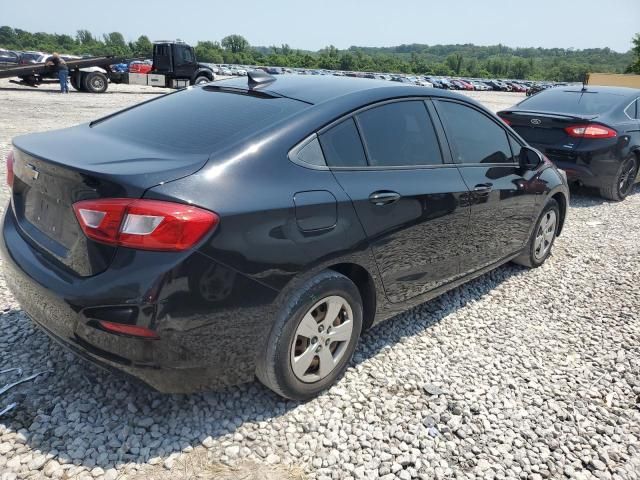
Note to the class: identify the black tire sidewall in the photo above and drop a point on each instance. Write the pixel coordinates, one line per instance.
(631, 158)
(551, 205)
(199, 79)
(86, 82)
(307, 295)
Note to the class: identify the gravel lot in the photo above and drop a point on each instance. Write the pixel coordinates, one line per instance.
(518, 374)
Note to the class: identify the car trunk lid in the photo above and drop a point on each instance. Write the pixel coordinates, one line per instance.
(545, 129)
(54, 170)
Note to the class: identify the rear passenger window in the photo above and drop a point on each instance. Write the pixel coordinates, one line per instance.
(342, 146)
(400, 134)
(473, 137)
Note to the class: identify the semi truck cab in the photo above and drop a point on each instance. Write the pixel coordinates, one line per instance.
(174, 66)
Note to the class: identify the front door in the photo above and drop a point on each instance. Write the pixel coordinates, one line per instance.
(503, 195)
(412, 205)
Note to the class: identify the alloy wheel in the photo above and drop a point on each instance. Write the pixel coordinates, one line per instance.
(627, 177)
(321, 339)
(545, 234)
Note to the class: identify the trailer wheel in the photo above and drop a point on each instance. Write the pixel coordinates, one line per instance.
(95, 82)
(201, 80)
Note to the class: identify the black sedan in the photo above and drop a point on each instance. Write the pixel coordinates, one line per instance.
(256, 228)
(592, 133)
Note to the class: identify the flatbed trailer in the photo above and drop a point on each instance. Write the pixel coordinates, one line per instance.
(91, 74)
(175, 66)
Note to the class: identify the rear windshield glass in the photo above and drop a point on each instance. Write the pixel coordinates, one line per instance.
(198, 120)
(566, 101)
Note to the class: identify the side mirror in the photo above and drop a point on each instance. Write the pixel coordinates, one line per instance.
(529, 158)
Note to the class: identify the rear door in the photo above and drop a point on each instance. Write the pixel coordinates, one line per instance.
(503, 195)
(412, 204)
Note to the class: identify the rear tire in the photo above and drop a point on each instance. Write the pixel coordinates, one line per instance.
(538, 248)
(95, 82)
(313, 337)
(622, 186)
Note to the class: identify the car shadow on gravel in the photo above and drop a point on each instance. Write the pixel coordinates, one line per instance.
(79, 414)
(585, 197)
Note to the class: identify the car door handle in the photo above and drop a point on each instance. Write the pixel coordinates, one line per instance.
(483, 188)
(384, 197)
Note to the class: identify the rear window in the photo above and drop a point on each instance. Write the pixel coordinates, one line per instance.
(198, 120)
(575, 102)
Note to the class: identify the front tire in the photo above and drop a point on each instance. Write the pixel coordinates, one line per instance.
(538, 248)
(201, 80)
(619, 188)
(313, 338)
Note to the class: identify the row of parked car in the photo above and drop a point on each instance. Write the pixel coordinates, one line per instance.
(446, 83)
(12, 58)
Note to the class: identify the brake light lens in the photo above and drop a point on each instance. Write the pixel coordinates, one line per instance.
(591, 130)
(10, 162)
(507, 122)
(144, 224)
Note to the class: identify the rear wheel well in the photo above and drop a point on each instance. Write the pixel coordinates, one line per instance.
(363, 280)
(562, 203)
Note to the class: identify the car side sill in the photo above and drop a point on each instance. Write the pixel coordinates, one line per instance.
(390, 310)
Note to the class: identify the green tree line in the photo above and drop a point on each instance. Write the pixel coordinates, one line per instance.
(556, 64)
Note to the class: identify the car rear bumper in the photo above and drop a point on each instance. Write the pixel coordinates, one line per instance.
(210, 330)
(591, 168)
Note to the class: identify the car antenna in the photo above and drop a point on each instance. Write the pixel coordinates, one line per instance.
(585, 82)
(258, 78)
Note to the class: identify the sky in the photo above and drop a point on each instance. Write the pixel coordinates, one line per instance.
(313, 25)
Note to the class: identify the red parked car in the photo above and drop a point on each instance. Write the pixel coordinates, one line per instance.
(140, 67)
(467, 85)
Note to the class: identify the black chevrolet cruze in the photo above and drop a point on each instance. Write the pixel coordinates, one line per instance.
(592, 133)
(256, 228)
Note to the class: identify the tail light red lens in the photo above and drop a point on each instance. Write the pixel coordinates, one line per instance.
(144, 224)
(592, 130)
(10, 162)
(505, 121)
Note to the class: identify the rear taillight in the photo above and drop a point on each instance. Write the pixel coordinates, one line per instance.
(144, 224)
(505, 121)
(591, 130)
(10, 162)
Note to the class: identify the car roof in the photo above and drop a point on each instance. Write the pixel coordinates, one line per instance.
(316, 89)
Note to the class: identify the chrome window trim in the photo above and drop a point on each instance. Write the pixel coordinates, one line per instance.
(636, 100)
